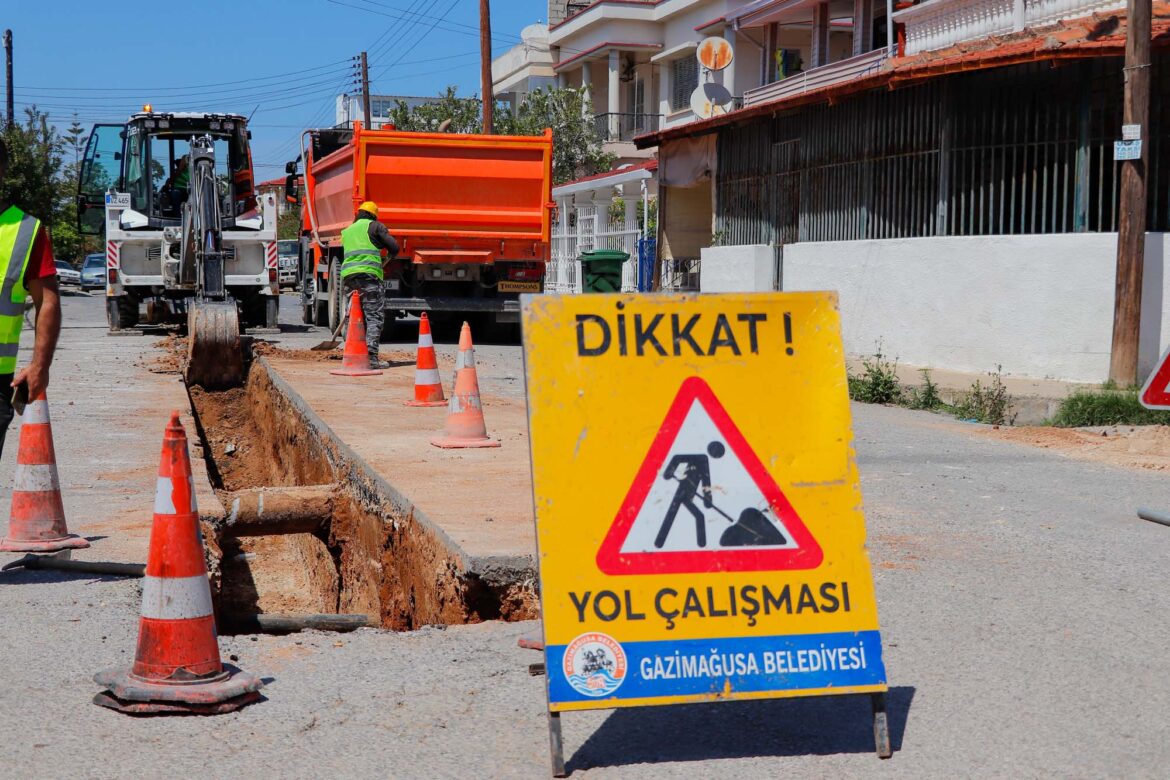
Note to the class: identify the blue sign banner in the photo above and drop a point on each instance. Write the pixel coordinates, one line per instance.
(596, 667)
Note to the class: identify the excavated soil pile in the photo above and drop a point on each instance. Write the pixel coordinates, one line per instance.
(397, 357)
(369, 557)
(1144, 447)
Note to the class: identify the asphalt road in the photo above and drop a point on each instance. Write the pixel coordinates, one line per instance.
(1023, 614)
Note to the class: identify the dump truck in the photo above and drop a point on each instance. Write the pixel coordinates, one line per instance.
(185, 233)
(471, 214)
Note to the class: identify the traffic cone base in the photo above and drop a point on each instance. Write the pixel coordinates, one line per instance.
(465, 427)
(227, 691)
(37, 520)
(355, 360)
(428, 387)
(177, 668)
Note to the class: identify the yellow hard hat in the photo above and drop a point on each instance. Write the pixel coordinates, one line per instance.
(369, 206)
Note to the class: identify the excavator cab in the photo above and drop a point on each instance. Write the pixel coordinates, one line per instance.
(148, 157)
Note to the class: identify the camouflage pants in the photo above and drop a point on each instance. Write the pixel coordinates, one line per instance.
(372, 295)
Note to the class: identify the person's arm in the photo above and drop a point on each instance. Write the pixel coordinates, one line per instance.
(48, 328)
(382, 239)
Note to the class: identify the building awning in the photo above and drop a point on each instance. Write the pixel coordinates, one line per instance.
(614, 178)
(1097, 35)
(674, 51)
(600, 49)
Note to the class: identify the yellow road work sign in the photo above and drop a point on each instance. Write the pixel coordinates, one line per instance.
(698, 510)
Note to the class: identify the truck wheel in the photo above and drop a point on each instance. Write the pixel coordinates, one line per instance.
(122, 312)
(335, 302)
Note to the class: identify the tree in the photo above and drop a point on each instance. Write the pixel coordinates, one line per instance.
(464, 114)
(34, 167)
(67, 242)
(288, 224)
(42, 182)
(577, 147)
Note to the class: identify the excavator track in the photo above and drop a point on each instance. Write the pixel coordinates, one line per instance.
(215, 359)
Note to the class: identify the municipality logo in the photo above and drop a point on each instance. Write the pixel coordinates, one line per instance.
(595, 664)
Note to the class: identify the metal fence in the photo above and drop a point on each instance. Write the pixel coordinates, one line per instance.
(1026, 149)
(582, 230)
(624, 127)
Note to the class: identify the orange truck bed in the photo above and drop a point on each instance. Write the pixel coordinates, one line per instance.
(444, 197)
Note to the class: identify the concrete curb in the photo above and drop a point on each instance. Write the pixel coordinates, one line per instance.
(371, 487)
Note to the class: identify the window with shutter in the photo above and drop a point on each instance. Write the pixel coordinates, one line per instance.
(685, 71)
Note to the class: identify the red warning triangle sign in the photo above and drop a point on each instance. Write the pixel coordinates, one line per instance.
(703, 502)
(1156, 392)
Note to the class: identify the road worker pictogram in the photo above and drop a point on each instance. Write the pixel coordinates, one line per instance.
(702, 501)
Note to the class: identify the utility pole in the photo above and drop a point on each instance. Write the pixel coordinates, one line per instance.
(366, 91)
(1131, 225)
(485, 64)
(8, 77)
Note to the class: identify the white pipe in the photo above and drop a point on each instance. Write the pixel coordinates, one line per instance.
(645, 209)
(890, 28)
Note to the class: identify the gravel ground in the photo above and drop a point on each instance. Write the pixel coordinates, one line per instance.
(1022, 613)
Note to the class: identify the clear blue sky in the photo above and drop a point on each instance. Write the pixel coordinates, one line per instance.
(285, 59)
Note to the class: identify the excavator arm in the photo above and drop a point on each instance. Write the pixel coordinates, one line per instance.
(214, 354)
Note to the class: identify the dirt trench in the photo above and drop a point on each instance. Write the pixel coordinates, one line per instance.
(368, 557)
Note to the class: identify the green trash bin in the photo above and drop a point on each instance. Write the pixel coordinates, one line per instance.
(603, 270)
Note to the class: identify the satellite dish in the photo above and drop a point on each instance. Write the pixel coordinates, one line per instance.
(714, 53)
(710, 99)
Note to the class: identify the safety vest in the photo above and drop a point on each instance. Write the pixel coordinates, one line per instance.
(361, 256)
(17, 231)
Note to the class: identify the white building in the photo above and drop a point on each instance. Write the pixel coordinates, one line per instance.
(526, 67)
(349, 108)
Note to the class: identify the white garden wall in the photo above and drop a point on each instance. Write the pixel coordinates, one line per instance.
(1040, 306)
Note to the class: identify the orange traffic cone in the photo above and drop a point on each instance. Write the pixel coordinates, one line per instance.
(428, 387)
(465, 425)
(176, 668)
(37, 520)
(355, 361)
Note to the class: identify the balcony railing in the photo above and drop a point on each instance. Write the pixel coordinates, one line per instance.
(623, 127)
(937, 24)
(826, 75)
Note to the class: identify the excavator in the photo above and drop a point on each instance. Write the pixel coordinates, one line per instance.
(184, 232)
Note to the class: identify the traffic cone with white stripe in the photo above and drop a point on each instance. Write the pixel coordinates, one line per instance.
(176, 668)
(37, 520)
(465, 425)
(428, 387)
(355, 360)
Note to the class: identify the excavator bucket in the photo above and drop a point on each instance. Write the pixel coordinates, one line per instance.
(215, 359)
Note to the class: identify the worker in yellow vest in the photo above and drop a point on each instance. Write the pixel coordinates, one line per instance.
(363, 270)
(26, 270)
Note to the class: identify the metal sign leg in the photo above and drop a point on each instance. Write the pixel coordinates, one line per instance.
(556, 745)
(881, 726)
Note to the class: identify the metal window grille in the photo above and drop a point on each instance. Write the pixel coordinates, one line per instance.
(1026, 149)
(685, 79)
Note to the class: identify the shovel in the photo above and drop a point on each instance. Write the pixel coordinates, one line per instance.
(325, 346)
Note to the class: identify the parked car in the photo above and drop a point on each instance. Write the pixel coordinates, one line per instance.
(93, 272)
(288, 258)
(66, 273)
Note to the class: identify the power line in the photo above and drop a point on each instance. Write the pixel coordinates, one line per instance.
(276, 76)
(425, 32)
(456, 27)
(402, 33)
